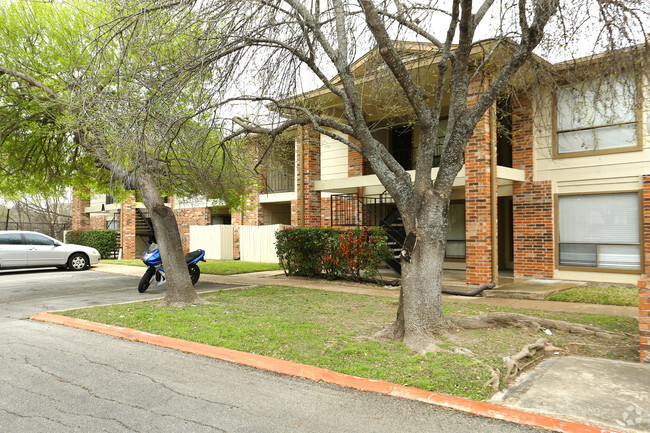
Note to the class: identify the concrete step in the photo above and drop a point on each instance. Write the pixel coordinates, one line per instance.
(538, 289)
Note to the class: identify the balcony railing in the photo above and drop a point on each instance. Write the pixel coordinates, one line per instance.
(279, 180)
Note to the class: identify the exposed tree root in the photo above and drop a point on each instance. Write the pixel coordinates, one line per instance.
(491, 320)
(528, 351)
(393, 332)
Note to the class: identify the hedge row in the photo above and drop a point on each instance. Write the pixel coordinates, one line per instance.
(353, 254)
(104, 241)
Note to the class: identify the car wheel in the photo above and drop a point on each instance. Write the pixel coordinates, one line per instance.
(77, 262)
(195, 273)
(146, 279)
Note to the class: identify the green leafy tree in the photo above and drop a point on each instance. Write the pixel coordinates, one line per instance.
(96, 94)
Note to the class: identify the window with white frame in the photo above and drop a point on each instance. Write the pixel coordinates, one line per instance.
(597, 115)
(599, 231)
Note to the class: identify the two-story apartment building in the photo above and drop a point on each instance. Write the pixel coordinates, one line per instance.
(553, 183)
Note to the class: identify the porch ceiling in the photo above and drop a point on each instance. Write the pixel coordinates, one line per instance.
(505, 176)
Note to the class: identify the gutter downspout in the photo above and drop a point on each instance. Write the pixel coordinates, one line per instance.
(493, 194)
(301, 181)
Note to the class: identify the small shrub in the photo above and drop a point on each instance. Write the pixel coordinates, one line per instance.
(300, 250)
(104, 241)
(354, 253)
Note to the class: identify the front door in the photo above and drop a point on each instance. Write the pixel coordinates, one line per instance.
(42, 251)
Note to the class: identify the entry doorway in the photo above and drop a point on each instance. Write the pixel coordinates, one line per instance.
(505, 223)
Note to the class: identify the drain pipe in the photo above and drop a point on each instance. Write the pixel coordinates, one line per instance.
(474, 292)
(493, 194)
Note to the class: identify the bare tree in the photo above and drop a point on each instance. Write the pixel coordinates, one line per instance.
(292, 46)
(50, 215)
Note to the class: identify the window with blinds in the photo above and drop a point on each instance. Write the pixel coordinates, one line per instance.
(599, 231)
(597, 116)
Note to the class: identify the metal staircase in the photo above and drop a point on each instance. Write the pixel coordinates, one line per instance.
(371, 211)
(143, 226)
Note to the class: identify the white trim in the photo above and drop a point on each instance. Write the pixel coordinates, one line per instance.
(349, 184)
(278, 197)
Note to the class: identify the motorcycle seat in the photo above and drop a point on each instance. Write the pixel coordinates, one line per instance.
(192, 255)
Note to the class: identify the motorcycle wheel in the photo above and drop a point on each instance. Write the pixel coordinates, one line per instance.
(146, 279)
(195, 273)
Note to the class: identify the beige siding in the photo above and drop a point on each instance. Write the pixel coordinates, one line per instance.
(97, 200)
(333, 158)
(590, 174)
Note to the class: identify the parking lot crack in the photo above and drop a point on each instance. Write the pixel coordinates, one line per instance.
(111, 400)
(49, 397)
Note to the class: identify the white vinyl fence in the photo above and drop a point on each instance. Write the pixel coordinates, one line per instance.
(257, 243)
(216, 241)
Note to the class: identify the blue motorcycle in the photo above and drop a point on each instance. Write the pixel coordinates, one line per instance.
(156, 272)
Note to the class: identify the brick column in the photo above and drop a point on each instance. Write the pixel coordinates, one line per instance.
(478, 222)
(191, 217)
(80, 219)
(644, 284)
(309, 164)
(252, 216)
(532, 203)
(127, 228)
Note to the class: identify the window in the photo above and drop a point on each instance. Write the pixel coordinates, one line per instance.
(597, 116)
(38, 239)
(11, 239)
(401, 144)
(599, 231)
(456, 234)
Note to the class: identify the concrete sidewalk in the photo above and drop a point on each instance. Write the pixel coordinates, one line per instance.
(609, 394)
(277, 278)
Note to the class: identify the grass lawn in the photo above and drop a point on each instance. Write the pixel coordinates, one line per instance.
(626, 296)
(216, 267)
(333, 330)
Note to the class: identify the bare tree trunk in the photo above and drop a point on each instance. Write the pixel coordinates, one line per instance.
(419, 317)
(180, 291)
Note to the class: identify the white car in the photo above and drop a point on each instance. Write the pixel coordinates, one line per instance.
(23, 249)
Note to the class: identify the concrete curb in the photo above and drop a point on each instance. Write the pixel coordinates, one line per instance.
(322, 375)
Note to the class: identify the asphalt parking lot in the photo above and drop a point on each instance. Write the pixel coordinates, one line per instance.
(26, 292)
(59, 379)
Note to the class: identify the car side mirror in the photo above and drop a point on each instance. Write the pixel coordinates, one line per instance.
(57, 244)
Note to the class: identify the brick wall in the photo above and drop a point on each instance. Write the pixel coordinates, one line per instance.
(646, 221)
(80, 219)
(127, 225)
(325, 211)
(191, 217)
(644, 284)
(478, 223)
(97, 222)
(355, 168)
(309, 164)
(532, 203)
(644, 320)
(253, 216)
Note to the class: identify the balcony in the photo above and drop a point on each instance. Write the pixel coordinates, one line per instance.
(279, 180)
